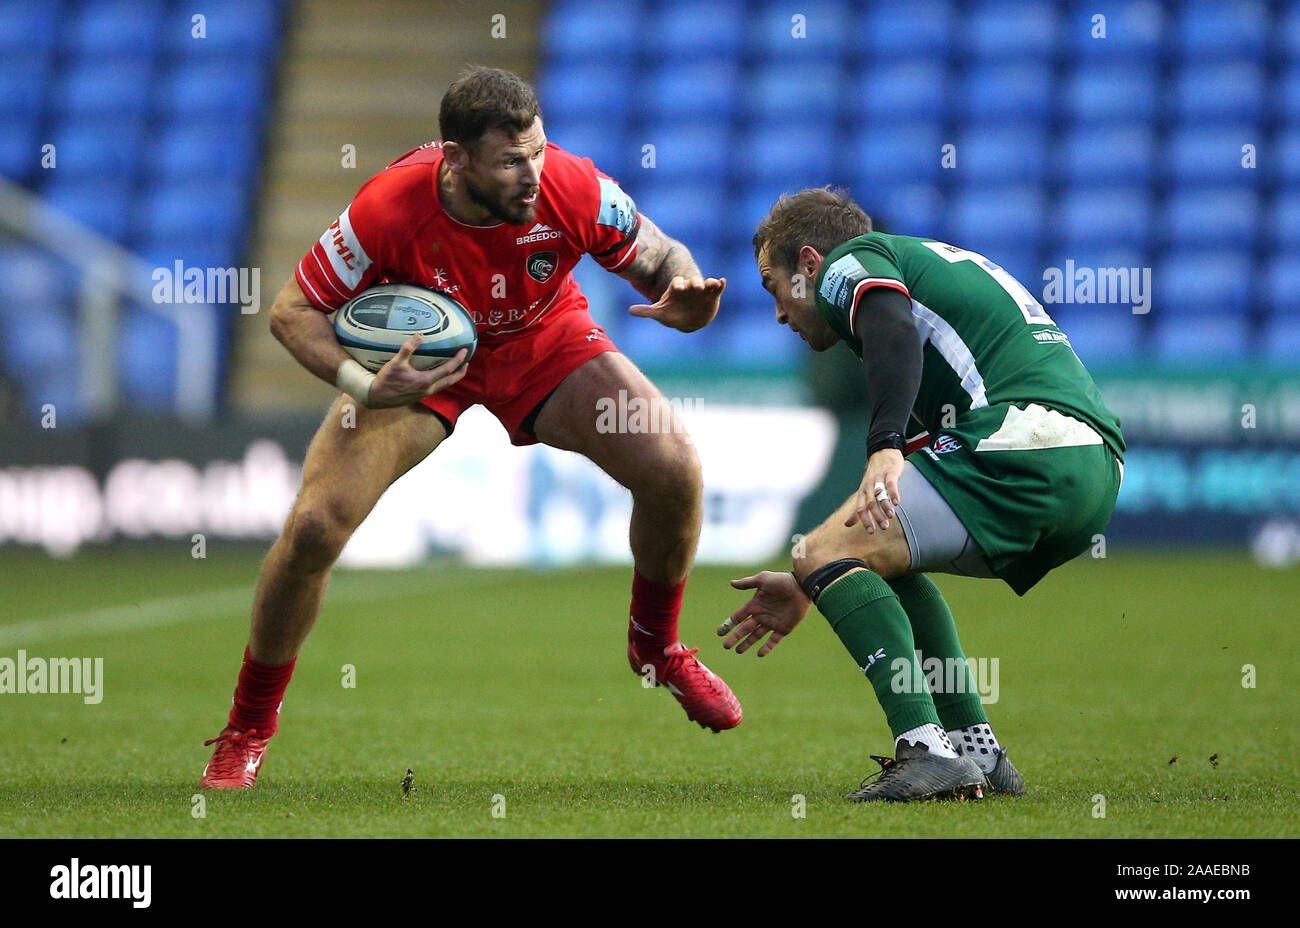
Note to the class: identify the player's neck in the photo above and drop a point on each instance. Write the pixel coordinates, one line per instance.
(457, 203)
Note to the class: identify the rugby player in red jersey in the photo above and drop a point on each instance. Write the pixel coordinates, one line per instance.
(496, 216)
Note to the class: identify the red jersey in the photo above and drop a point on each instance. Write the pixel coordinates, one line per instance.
(507, 276)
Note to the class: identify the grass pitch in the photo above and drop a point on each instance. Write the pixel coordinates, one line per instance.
(508, 692)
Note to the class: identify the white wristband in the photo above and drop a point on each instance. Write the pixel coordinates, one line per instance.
(354, 380)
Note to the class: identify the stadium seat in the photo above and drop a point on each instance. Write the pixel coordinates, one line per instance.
(753, 339)
(1190, 283)
(1229, 92)
(1237, 29)
(1284, 221)
(1282, 159)
(20, 151)
(1112, 93)
(1225, 217)
(878, 156)
(795, 96)
(609, 150)
(695, 151)
(995, 221)
(1116, 155)
(995, 91)
(208, 90)
(772, 31)
(185, 150)
(1134, 31)
(1001, 155)
(689, 211)
(1280, 340)
(1201, 339)
(110, 28)
(1211, 156)
(576, 91)
(1090, 218)
(902, 30)
(1003, 31)
(233, 30)
(23, 88)
(27, 31)
(1286, 34)
(94, 90)
(787, 156)
(694, 31)
(108, 150)
(908, 91)
(193, 207)
(701, 92)
(593, 31)
(146, 355)
(907, 209)
(1281, 286)
(1100, 334)
(100, 202)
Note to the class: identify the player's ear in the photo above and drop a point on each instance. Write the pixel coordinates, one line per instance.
(810, 261)
(455, 156)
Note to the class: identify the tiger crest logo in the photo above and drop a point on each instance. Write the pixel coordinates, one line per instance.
(541, 266)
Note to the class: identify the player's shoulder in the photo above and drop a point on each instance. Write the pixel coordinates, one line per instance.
(406, 190)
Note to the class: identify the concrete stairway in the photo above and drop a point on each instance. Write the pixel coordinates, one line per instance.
(366, 73)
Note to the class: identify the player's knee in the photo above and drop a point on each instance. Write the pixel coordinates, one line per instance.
(670, 470)
(314, 537)
(822, 547)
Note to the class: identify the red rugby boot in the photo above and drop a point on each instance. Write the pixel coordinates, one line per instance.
(702, 693)
(235, 761)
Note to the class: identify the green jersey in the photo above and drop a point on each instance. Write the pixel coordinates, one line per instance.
(987, 341)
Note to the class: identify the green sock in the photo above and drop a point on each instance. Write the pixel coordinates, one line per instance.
(869, 619)
(935, 634)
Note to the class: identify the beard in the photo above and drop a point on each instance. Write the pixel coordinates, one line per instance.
(511, 212)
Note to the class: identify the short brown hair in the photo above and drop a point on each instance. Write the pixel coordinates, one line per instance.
(820, 216)
(483, 99)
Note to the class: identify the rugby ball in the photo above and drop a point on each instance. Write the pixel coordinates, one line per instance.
(373, 325)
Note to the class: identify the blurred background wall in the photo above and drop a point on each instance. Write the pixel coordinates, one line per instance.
(1153, 138)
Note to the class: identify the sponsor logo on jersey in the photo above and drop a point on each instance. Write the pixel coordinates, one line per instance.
(945, 443)
(541, 265)
(1050, 337)
(839, 281)
(538, 233)
(616, 207)
(343, 249)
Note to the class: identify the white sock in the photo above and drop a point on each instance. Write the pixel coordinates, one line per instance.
(932, 736)
(979, 743)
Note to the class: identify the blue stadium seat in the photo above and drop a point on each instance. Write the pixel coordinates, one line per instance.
(1218, 93)
(901, 30)
(593, 30)
(1280, 340)
(825, 30)
(787, 156)
(234, 91)
(703, 91)
(795, 95)
(1202, 339)
(888, 91)
(23, 89)
(1007, 31)
(695, 30)
(1002, 155)
(876, 157)
(1221, 30)
(1002, 91)
(185, 150)
(995, 221)
(27, 30)
(908, 209)
(1112, 93)
(233, 29)
(1281, 286)
(1134, 30)
(95, 90)
(1198, 218)
(754, 339)
(1284, 221)
(1116, 155)
(1203, 156)
(1100, 334)
(102, 203)
(1191, 283)
(194, 249)
(1288, 91)
(648, 344)
(610, 150)
(690, 212)
(110, 28)
(687, 151)
(585, 91)
(1283, 164)
(30, 276)
(98, 149)
(1092, 218)
(20, 151)
(147, 359)
(193, 208)
(1286, 34)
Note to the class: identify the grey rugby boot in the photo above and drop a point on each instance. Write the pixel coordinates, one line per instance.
(1004, 778)
(917, 774)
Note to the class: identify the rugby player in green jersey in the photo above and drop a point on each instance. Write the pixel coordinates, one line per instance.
(1019, 473)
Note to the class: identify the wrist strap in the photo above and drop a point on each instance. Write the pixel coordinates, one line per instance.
(354, 380)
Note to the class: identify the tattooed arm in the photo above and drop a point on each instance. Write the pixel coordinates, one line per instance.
(665, 271)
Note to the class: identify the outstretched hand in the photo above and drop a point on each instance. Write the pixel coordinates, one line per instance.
(777, 606)
(688, 304)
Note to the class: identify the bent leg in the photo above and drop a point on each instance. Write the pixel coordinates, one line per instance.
(355, 456)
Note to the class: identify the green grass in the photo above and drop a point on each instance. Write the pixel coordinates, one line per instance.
(515, 683)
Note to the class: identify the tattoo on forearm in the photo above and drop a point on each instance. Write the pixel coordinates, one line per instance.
(659, 259)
